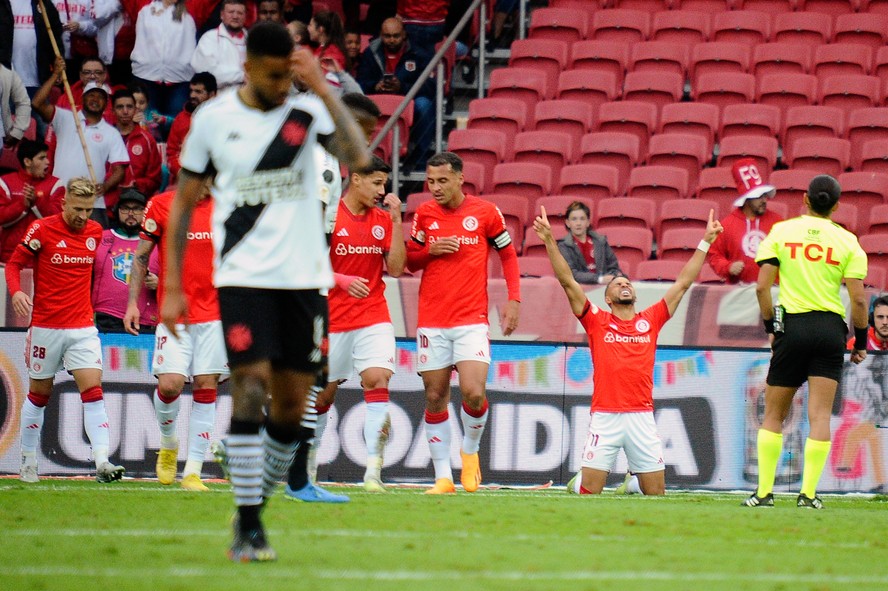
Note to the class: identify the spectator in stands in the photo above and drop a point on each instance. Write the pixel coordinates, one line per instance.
(270, 10)
(143, 172)
(589, 256)
(92, 69)
(732, 255)
(299, 32)
(223, 50)
(147, 117)
(27, 195)
(165, 42)
(327, 35)
(202, 88)
(114, 262)
(12, 92)
(424, 22)
(391, 66)
(106, 148)
(352, 52)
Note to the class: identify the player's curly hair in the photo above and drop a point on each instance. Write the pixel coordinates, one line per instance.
(81, 187)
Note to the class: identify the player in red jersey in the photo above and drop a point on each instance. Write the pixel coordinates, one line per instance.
(450, 239)
(623, 344)
(362, 337)
(197, 353)
(62, 249)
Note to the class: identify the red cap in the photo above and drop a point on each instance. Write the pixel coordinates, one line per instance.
(750, 184)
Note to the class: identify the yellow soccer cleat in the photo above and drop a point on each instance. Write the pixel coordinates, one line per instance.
(471, 471)
(166, 466)
(443, 486)
(192, 482)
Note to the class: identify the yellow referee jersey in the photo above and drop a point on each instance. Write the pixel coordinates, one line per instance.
(815, 254)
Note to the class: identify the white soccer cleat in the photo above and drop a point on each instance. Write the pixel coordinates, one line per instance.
(29, 471)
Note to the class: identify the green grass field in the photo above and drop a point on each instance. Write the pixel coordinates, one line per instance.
(75, 534)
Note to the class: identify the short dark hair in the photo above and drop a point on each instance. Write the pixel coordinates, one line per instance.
(92, 59)
(442, 158)
(122, 93)
(574, 206)
(136, 86)
(823, 193)
(207, 79)
(376, 164)
(355, 101)
(269, 39)
(29, 149)
(879, 301)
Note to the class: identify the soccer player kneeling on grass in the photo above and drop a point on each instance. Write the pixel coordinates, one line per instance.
(623, 344)
(62, 249)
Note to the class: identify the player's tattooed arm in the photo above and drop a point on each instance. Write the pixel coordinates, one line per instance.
(138, 272)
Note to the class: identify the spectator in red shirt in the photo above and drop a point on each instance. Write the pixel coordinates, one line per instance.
(91, 70)
(589, 256)
(143, 170)
(201, 89)
(27, 195)
(327, 36)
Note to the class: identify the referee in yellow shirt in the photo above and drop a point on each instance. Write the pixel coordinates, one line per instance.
(813, 255)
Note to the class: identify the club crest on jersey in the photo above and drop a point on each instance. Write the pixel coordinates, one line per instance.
(470, 223)
(642, 325)
(150, 225)
(378, 232)
(751, 241)
(97, 137)
(410, 66)
(293, 133)
(90, 243)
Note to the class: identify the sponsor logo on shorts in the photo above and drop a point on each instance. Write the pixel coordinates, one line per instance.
(590, 455)
(239, 337)
(37, 367)
(160, 360)
(423, 358)
(611, 337)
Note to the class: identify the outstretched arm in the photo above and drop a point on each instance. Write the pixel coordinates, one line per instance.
(692, 268)
(575, 294)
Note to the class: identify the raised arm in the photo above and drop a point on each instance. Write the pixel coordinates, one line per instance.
(396, 257)
(40, 102)
(692, 268)
(575, 294)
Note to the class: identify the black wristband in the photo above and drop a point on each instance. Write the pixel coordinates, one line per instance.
(769, 326)
(860, 338)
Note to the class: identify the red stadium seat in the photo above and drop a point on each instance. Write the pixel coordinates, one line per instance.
(625, 212)
(631, 245)
(678, 244)
(717, 185)
(574, 118)
(850, 92)
(487, 148)
(681, 26)
(507, 116)
(546, 55)
(524, 84)
(684, 151)
(474, 178)
(657, 88)
(741, 26)
(535, 266)
(877, 6)
(414, 200)
(863, 28)
(841, 59)
(787, 90)
(831, 7)
(876, 277)
(876, 248)
(659, 183)
(691, 118)
(762, 149)
(525, 179)
(614, 149)
(813, 121)
(878, 220)
(880, 63)
(624, 26)
(601, 56)
(780, 58)
(651, 6)
(874, 157)
(594, 90)
(806, 28)
(551, 148)
(556, 206)
(387, 104)
(658, 270)
(791, 185)
(865, 125)
(750, 119)
(771, 7)
(635, 117)
(560, 24)
(707, 6)
(717, 58)
(583, 6)
(825, 155)
(722, 90)
(589, 182)
(534, 247)
(515, 210)
(685, 213)
(659, 56)
(866, 191)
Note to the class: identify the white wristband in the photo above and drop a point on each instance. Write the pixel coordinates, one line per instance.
(704, 246)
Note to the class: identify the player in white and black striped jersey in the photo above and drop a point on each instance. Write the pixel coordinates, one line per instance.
(271, 255)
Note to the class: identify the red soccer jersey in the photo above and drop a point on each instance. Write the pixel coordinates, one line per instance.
(63, 267)
(873, 342)
(358, 248)
(453, 291)
(623, 353)
(15, 218)
(197, 270)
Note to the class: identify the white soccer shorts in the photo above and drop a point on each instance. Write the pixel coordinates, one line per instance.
(359, 349)
(199, 350)
(635, 432)
(438, 348)
(47, 350)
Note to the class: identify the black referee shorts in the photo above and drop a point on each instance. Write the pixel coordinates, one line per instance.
(285, 326)
(812, 345)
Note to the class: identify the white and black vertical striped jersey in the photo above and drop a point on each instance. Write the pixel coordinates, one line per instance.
(268, 229)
